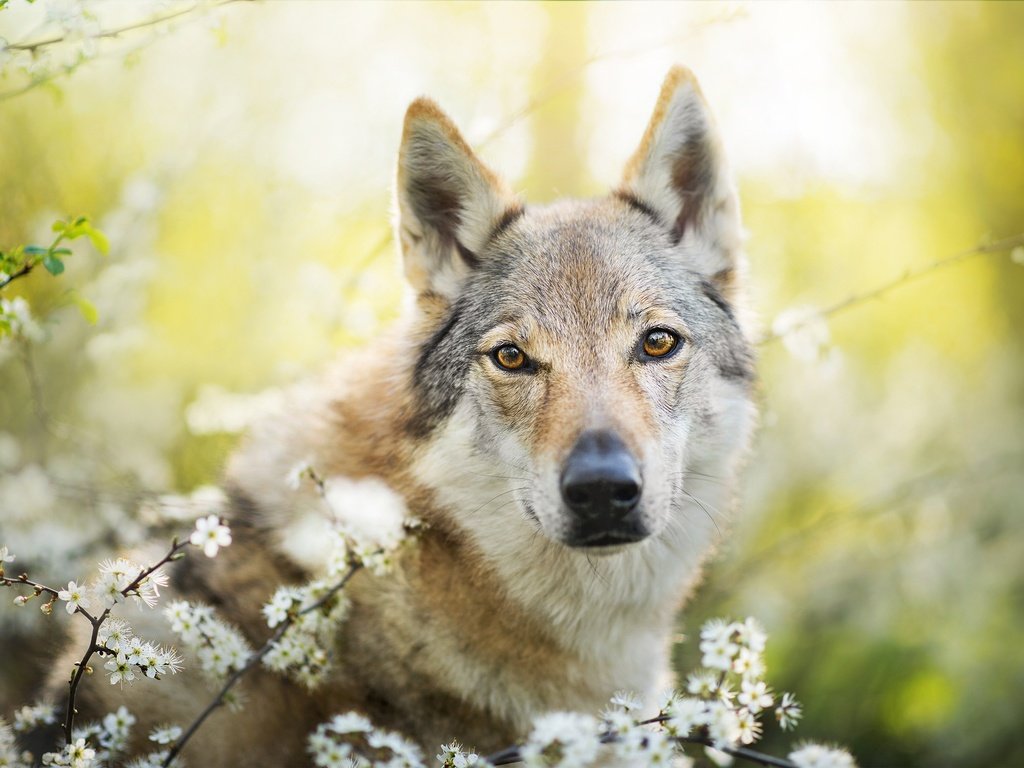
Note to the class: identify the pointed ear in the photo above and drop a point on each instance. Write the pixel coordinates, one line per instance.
(449, 203)
(679, 175)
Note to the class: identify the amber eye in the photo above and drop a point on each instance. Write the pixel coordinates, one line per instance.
(659, 342)
(510, 357)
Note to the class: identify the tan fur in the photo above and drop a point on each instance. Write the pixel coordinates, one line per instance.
(490, 619)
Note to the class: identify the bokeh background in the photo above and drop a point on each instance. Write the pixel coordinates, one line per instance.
(239, 159)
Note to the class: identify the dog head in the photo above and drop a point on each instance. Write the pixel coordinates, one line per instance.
(587, 352)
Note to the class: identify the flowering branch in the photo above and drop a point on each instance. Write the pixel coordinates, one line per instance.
(512, 755)
(97, 622)
(39, 44)
(253, 660)
(1011, 243)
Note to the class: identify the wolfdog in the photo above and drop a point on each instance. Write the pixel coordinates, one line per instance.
(564, 404)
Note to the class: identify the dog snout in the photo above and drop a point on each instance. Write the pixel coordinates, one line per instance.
(601, 485)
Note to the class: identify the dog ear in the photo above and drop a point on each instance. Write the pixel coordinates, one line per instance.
(678, 175)
(449, 203)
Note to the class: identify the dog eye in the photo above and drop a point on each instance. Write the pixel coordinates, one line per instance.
(510, 357)
(660, 342)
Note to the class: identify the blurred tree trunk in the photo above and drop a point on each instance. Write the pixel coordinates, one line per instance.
(556, 166)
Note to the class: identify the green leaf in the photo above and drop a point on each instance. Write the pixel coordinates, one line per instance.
(98, 239)
(35, 250)
(87, 308)
(53, 264)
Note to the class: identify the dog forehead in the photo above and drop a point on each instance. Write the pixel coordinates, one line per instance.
(583, 263)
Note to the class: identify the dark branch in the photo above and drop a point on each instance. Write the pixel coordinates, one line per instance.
(255, 658)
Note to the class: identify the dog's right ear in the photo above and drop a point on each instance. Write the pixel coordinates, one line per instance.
(449, 203)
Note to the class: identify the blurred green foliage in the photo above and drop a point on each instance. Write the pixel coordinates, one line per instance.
(880, 538)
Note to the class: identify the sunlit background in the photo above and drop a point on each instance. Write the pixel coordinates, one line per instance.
(240, 158)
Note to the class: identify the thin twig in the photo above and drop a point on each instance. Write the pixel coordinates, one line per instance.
(251, 662)
(68, 69)
(97, 622)
(25, 269)
(33, 47)
(910, 276)
(6, 581)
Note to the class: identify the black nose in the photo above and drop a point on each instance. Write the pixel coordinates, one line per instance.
(601, 485)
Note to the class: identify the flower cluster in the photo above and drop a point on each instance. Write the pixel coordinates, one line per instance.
(95, 744)
(370, 522)
(453, 756)
(804, 332)
(35, 716)
(730, 688)
(221, 649)
(720, 709)
(351, 741)
(316, 611)
(162, 735)
(129, 654)
(562, 739)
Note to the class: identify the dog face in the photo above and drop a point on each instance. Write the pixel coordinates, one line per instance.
(589, 349)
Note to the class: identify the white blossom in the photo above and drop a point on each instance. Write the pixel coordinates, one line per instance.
(221, 648)
(751, 634)
(820, 756)
(755, 696)
(294, 477)
(717, 644)
(686, 714)
(803, 331)
(453, 756)
(627, 700)
(749, 664)
(749, 727)
(351, 722)
(120, 670)
(788, 711)
(277, 609)
(165, 734)
(78, 754)
(210, 534)
(723, 724)
(29, 717)
(562, 739)
(75, 596)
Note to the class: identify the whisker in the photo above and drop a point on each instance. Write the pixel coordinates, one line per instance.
(700, 504)
(597, 573)
(496, 496)
(499, 477)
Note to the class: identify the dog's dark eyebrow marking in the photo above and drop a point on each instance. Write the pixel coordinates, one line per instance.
(439, 336)
(637, 204)
(471, 259)
(468, 256)
(506, 221)
(716, 297)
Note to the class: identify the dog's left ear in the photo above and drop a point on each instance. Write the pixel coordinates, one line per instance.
(449, 203)
(678, 175)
